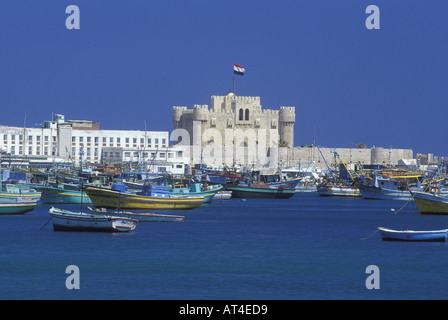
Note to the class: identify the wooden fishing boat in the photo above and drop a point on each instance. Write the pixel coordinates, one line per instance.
(411, 235)
(22, 190)
(63, 193)
(196, 190)
(256, 191)
(139, 216)
(16, 205)
(329, 190)
(223, 195)
(64, 220)
(431, 203)
(154, 199)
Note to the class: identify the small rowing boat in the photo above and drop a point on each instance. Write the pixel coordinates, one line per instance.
(411, 235)
(64, 220)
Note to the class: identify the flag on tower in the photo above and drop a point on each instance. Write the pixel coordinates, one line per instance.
(238, 70)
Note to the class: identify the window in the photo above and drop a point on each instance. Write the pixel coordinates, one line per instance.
(46, 138)
(156, 140)
(149, 140)
(38, 151)
(73, 139)
(96, 139)
(111, 140)
(134, 140)
(104, 139)
(247, 115)
(127, 140)
(164, 141)
(241, 115)
(81, 139)
(38, 138)
(118, 140)
(30, 139)
(88, 139)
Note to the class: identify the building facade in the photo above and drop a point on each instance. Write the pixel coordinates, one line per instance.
(230, 115)
(81, 141)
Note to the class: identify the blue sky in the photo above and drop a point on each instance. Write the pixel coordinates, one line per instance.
(131, 61)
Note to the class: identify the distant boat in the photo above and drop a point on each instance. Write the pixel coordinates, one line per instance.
(384, 187)
(411, 235)
(139, 216)
(430, 203)
(64, 220)
(223, 195)
(63, 193)
(256, 191)
(196, 190)
(19, 190)
(330, 190)
(16, 205)
(151, 198)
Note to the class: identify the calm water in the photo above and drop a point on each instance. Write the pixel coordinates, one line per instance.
(305, 247)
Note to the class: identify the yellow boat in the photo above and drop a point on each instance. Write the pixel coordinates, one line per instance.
(429, 203)
(112, 199)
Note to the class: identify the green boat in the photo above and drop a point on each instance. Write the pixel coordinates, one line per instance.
(23, 190)
(63, 193)
(16, 205)
(196, 190)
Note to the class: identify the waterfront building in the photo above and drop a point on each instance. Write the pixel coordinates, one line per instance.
(231, 115)
(82, 141)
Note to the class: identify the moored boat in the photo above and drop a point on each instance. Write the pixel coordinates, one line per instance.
(64, 220)
(22, 190)
(411, 235)
(16, 205)
(63, 193)
(223, 195)
(254, 191)
(329, 190)
(152, 198)
(430, 203)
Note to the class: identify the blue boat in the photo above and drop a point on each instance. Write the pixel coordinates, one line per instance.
(386, 188)
(411, 235)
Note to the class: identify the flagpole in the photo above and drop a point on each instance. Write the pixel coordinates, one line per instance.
(234, 83)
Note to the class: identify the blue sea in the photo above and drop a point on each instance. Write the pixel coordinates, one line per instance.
(305, 247)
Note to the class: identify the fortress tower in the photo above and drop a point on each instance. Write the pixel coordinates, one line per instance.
(237, 112)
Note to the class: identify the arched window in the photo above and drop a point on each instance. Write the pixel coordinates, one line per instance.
(247, 115)
(241, 114)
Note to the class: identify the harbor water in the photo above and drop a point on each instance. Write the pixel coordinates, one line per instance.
(305, 247)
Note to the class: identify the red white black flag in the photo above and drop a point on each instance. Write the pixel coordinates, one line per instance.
(238, 70)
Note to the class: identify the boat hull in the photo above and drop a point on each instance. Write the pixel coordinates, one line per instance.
(370, 192)
(17, 207)
(431, 204)
(69, 221)
(335, 191)
(111, 199)
(411, 235)
(58, 196)
(253, 192)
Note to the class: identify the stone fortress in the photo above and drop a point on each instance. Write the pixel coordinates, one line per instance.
(231, 113)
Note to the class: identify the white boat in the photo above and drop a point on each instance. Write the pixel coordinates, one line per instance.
(223, 195)
(411, 235)
(139, 216)
(64, 220)
(338, 190)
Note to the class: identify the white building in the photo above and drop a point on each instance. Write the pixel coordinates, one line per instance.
(82, 141)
